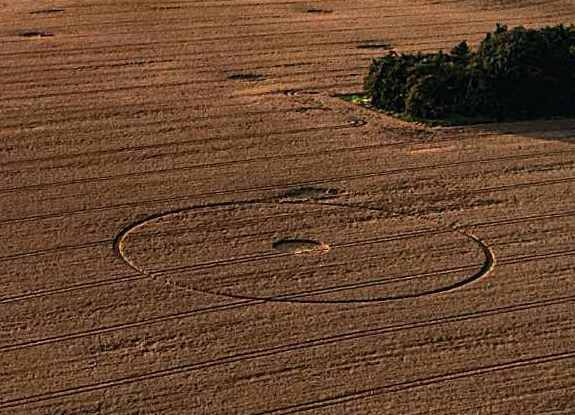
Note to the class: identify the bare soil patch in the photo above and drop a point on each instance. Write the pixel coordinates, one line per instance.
(35, 33)
(47, 11)
(245, 76)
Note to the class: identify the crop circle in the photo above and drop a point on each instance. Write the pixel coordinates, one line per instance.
(303, 252)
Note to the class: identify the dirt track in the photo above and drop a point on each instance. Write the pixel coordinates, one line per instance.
(193, 224)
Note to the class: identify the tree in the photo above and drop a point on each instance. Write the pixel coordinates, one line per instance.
(516, 73)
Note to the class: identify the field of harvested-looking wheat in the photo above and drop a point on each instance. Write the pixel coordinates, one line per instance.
(193, 223)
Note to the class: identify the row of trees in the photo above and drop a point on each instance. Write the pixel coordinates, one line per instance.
(514, 74)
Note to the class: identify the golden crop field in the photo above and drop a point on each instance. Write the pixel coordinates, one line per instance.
(192, 222)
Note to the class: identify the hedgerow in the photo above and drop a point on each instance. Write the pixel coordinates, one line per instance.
(514, 74)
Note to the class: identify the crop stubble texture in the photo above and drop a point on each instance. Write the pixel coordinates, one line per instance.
(153, 154)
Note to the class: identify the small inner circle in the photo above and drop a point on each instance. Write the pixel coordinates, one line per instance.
(298, 246)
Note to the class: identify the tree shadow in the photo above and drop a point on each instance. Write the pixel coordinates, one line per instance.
(555, 129)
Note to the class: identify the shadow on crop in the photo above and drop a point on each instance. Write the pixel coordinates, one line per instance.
(560, 129)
